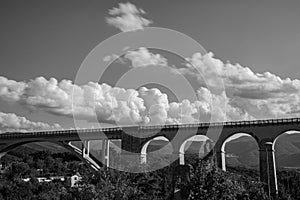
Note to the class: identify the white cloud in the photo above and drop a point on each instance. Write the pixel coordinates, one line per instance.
(239, 81)
(102, 102)
(143, 58)
(90, 101)
(248, 95)
(11, 90)
(11, 122)
(127, 17)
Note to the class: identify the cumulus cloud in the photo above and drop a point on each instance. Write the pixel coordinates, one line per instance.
(127, 17)
(11, 90)
(142, 57)
(239, 81)
(248, 95)
(11, 122)
(102, 102)
(90, 101)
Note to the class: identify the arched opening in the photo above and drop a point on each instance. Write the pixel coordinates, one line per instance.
(193, 148)
(287, 150)
(240, 150)
(42, 158)
(158, 149)
(287, 162)
(103, 151)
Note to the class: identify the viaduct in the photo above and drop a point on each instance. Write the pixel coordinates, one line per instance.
(136, 138)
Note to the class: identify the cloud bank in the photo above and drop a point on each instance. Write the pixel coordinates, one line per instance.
(259, 95)
(10, 122)
(102, 102)
(248, 95)
(127, 17)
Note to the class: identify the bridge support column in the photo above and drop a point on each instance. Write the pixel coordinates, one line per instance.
(143, 158)
(181, 158)
(268, 168)
(86, 149)
(221, 162)
(105, 152)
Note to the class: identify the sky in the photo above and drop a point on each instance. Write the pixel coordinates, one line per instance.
(252, 45)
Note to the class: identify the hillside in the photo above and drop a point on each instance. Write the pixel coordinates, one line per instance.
(244, 151)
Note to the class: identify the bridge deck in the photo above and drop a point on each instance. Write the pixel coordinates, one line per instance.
(116, 132)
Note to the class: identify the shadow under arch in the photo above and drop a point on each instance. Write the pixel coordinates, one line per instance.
(242, 149)
(287, 149)
(70, 148)
(197, 145)
(161, 149)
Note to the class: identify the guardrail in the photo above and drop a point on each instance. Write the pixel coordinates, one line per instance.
(113, 130)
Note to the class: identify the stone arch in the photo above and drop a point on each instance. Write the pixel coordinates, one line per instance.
(204, 148)
(147, 143)
(287, 131)
(232, 137)
(14, 145)
(286, 157)
(68, 147)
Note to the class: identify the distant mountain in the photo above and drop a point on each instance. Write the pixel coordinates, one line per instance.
(242, 151)
(245, 151)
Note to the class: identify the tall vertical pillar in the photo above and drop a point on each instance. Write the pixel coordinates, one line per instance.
(268, 168)
(105, 152)
(220, 156)
(181, 158)
(86, 148)
(143, 158)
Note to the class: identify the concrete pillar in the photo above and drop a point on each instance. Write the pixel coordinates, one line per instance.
(143, 158)
(86, 149)
(221, 159)
(105, 152)
(181, 158)
(268, 168)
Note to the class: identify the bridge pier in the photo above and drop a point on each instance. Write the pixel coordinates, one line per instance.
(86, 149)
(181, 158)
(221, 159)
(105, 153)
(268, 168)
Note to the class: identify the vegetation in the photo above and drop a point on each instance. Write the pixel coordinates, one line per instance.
(200, 180)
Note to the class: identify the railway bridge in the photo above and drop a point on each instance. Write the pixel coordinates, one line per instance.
(135, 139)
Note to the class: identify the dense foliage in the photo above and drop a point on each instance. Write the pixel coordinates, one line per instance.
(200, 180)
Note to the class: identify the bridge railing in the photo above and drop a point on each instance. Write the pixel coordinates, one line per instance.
(74, 132)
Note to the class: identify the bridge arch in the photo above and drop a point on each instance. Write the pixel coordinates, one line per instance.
(249, 138)
(6, 148)
(205, 146)
(284, 132)
(165, 149)
(70, 148)
(290, 140)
